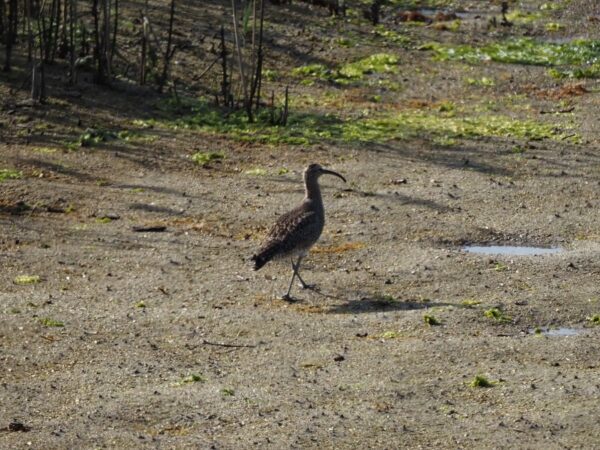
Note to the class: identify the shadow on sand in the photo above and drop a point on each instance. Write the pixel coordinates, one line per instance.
(369, 303)
(374, 304)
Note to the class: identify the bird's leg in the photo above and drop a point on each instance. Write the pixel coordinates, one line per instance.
(297, 272)
(287, 296)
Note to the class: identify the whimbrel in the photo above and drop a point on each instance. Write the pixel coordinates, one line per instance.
(295, 232)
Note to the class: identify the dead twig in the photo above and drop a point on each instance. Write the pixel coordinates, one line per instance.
(568, 136)
(210, 66)
(247, 100)
(149, 228)
(219, 344)
(170, 50)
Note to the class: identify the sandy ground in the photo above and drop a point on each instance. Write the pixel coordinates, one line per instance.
(140, 339)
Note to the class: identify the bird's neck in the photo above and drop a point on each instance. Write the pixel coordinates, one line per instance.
(313, 191)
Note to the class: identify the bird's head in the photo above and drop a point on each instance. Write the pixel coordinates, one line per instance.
(314, 171)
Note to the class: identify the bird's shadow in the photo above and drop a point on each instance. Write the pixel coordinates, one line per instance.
(375, 304)
(370, 304)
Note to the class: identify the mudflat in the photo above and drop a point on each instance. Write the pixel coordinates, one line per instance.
(130, 316)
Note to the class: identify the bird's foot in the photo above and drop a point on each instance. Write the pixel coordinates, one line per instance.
(312, 287)
(288, 298)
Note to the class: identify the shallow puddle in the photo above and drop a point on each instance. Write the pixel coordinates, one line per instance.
(560, 332)
(510, 250)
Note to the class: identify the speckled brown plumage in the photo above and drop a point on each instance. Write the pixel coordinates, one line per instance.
(296, 232)
(292, 235)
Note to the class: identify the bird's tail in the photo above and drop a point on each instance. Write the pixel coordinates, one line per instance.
(264, 256)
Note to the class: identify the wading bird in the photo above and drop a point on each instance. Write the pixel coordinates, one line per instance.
(295, 232)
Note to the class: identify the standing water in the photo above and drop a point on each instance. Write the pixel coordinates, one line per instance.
(559, 332)
(510, 250)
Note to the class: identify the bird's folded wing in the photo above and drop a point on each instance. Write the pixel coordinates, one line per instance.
(296, 229)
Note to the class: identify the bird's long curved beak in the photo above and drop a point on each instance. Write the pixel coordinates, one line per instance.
(331, 172)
